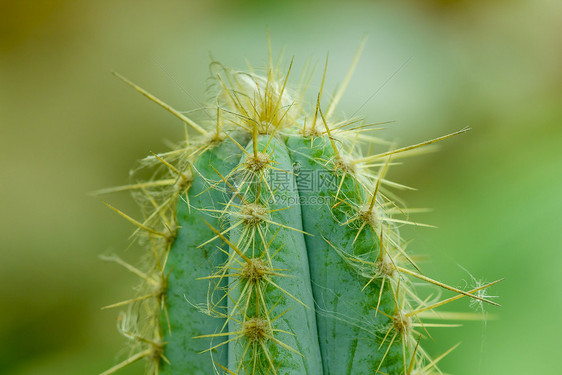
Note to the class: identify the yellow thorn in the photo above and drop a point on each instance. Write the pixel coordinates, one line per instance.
(158, 210)
(396, 298)
(218, 345)
(323, 79)
(268, 356)
(386, 352)
(287, 227)
(127, 362)
(441, 303)
(340, 185)
(448, 315)
(224, 232)
(227, 241)
(385, 314)
(255, 141)
(170, 166)
(336, 152)
(435, 325)
(407, 222)
(135, 186)
(218, 120)
(237, 144)
(241, 361)
(413, 360)
(278, 342)
(129, 267)
(445, 286)
(287, 293)
(313, 127)
(280, 96)
(347, 78)
(224, 368)
(122, 303)
(229, 185)
(407, 148)
(379, 179)
(434, 362)
(162, 104)
(130, 219)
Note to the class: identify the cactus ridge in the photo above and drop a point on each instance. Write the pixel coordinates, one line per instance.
(252, 271)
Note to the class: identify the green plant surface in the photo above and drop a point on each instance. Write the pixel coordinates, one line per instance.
(187, 262)
(353, 303)
(251, 271)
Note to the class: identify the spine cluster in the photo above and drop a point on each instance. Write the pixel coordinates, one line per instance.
(274, 244)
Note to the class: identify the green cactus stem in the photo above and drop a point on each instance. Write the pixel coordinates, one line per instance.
(273, 244)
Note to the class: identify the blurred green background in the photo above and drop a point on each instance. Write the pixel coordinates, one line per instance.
(67, 127)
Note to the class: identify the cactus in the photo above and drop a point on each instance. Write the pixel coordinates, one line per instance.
(273, 243)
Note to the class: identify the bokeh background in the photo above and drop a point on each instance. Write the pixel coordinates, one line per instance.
(67, 127)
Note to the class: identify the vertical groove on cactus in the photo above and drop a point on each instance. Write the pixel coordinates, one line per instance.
(271, 306)
(353, 278)
(274, 244)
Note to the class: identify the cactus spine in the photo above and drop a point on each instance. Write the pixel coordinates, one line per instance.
(274, 245)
